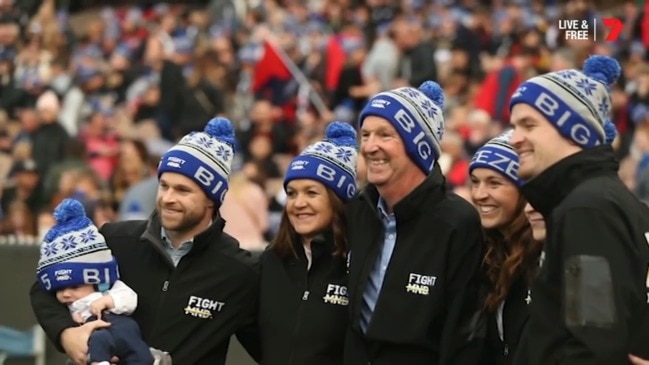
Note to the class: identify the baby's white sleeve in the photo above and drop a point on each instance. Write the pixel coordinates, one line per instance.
(124, 297)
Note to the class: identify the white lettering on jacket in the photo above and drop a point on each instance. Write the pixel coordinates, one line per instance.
(202, 308)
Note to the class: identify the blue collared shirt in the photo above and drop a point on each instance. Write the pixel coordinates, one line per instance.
(375, 282)
(175, 254)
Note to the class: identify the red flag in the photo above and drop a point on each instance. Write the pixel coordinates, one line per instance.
(269, 67)
(335, 62)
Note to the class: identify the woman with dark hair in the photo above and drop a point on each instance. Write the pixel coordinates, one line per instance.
(303, 301)
(511, 253)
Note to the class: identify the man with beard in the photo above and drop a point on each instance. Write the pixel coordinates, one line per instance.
(195, 286)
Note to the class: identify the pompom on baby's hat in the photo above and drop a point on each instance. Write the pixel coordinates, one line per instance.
(74, 252)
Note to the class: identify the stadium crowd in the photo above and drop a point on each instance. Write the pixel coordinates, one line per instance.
(88, 111)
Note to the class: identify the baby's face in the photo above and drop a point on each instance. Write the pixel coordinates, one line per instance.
(67, 296)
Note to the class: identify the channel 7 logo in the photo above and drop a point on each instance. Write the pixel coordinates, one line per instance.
(581, 29)
(615, 27)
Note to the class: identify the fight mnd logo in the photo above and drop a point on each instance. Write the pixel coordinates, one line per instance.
(587, 30)
(420, 284)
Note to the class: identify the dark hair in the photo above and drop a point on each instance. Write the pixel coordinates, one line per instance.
(509, 255)
(284, 242)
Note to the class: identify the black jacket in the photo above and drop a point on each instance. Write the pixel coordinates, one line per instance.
(589, 300)
(48, 146)
(201, 102)
(515, 314)
(438, 235)
(417, 64)
(303, 314)
(191, 310)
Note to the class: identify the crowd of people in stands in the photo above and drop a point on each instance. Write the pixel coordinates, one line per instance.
(91, 100)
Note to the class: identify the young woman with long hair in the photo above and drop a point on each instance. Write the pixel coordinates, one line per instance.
(511, 253)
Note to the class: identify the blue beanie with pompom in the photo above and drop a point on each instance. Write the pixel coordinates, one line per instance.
(577, 103)
(331, 161)
(74, 252)
(418, 117)
(204, 157)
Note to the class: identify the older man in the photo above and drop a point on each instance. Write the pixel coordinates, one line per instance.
(415, 246)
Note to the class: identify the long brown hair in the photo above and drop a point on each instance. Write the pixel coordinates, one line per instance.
(284, 242)
(510, 254)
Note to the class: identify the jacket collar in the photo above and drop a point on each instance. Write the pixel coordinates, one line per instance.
(550, 188)
(321, 245)
(200, 241)
(322, 248)
(432, 189)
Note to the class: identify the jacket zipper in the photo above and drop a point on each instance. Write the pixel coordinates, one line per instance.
(164, 289)
(163, 296)
(157, 244)
(300, 312)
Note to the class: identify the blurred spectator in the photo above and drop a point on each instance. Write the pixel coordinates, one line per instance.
(204, 98)
(454, 161)
(352, 91)
(24, 187)
(50, 138)
(416, 65)
(499, 85)
(263, 122)
(382, 61)
(102, 147)
(133, 167)
(563, 59)
(171, 83)
(245, 210)
(106, 89)
(11, 95)
(18, 220)
(139, 200)
(74, 160)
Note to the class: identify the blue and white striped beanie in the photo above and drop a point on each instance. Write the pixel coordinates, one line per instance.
(498, 155)
(417, 115)
(205, 157)
(577, 103)
(74, 253)
(331, 161)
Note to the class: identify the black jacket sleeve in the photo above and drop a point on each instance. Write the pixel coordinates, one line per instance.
(599, 266)
(52, 315)
(459, 343)
(248, 335)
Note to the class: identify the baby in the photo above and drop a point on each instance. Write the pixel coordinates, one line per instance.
(77, 265)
